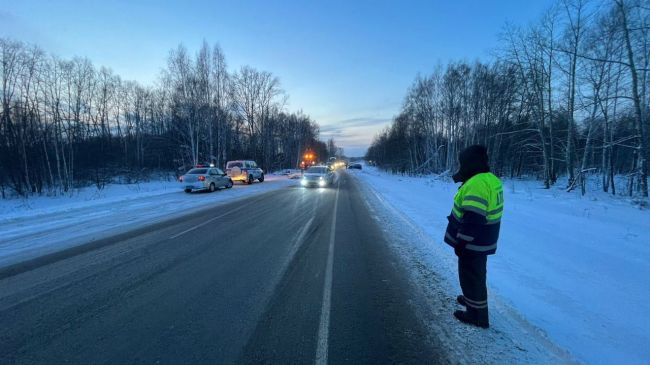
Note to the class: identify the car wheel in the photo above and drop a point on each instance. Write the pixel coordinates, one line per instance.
(229, 184)
(188, 190)
(261, 179)
(250, 179)
(212, 187)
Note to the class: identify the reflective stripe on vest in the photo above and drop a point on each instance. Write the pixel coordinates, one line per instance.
(483, 195)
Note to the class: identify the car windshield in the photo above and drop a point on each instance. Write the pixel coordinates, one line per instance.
(317, 170)
(197, 171)
(234, 164)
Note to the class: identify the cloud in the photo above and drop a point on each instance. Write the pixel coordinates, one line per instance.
(354, 122)
(355, 134)
(354, 126)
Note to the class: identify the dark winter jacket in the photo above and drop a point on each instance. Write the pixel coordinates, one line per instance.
(475, 220)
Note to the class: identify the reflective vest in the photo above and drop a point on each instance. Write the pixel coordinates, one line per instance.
(482, 194)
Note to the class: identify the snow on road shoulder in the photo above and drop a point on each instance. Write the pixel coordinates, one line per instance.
(80, 198)
(42, 225)
(569, 270)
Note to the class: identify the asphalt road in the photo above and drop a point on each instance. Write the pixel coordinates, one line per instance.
(293, 276)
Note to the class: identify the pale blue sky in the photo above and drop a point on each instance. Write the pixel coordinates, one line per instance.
(345, 63)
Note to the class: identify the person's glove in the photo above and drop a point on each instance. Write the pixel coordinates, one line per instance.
(459, 249)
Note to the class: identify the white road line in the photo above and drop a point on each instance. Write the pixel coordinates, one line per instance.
(324, 327)
(208, 221)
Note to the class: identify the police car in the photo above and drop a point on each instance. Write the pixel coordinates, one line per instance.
(245, 171)
(205, 178)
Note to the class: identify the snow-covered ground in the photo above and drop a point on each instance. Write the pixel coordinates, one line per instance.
(571, 271)
(42, 225)
(568, 281)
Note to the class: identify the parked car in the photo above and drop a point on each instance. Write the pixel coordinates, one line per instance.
(245, 171)
(205, 178)
(356, 166)
(320, 176)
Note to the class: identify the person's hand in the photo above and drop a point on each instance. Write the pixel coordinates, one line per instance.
(459, 249)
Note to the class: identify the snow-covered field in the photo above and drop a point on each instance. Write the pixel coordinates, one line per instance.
(42, 225)
(570, 269)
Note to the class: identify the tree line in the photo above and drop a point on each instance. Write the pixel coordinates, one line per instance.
(67, 123)
(565, 96)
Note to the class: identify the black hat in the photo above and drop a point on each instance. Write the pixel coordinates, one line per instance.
(473, 160)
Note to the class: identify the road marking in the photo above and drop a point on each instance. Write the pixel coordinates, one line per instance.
(324, 327)
(298, 241)
(209, 221)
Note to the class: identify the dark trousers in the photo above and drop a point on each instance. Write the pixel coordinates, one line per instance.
(472, 271)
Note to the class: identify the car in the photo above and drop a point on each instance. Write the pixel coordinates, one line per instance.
(356, 166)
(320, 176)
(245, 171)
(205, 178)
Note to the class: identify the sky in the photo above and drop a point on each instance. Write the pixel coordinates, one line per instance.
(347, 64)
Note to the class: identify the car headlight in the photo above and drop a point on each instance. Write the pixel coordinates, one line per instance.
(303, 181)
(321, 182)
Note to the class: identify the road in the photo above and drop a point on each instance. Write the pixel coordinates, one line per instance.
(293, 276)
(34, 232)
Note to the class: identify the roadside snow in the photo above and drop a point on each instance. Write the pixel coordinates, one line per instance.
(42, 225)
(569, 270)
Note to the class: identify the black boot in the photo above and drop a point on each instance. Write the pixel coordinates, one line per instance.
(467, 317)
(461, 300)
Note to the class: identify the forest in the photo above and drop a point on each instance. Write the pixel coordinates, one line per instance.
(68, 123)
(563, 97)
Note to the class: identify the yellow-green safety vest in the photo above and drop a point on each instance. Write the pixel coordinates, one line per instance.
(482, 194)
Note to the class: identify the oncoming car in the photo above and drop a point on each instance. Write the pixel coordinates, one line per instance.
(320, 176)
(205, 178)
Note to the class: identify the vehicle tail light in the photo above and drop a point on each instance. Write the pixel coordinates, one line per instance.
(180, 179)
(201, 178)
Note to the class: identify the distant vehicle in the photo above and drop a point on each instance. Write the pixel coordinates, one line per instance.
(356, 166)
(245, 171)
(205, 178)
(337, 164)
(320, 176)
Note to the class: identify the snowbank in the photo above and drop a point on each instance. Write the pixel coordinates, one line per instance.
(42, 225)
(574, 267)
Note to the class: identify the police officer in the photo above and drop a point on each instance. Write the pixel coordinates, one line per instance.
(473, 231)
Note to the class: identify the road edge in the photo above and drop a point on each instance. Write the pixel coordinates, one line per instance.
(459, 337)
